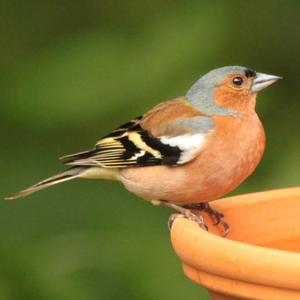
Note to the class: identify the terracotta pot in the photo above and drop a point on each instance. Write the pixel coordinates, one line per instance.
(260, 257)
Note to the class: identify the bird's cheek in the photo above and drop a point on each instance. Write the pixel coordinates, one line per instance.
(226, 97)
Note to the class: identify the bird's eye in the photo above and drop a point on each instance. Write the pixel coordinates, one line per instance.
(237, 81)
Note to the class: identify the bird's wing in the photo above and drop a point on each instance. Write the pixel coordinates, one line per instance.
(170, 134)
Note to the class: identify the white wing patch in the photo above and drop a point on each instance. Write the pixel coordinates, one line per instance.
(190, 145)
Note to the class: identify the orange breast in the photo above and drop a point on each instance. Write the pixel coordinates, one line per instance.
(230, 156)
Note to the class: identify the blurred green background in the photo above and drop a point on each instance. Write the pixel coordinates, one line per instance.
(73, 70)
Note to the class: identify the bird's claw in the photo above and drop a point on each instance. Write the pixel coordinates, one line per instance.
(214, 214)
(226, 227)
(218, 218)
(172, 219)
(190, 216)
(196, 218)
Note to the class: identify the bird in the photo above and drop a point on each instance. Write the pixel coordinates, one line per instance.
(184, 152)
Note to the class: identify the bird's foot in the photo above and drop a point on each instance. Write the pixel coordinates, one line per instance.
(214, 214)
(184, 213)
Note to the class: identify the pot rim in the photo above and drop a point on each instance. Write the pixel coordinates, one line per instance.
(234, 259)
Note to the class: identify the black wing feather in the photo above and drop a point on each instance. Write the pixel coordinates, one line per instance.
(127, 146)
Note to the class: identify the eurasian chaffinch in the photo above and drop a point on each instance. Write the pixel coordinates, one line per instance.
(184, 152)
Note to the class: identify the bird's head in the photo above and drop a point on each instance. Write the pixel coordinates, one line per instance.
(229, 89)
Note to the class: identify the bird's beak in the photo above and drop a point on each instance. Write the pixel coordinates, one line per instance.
(261, 81)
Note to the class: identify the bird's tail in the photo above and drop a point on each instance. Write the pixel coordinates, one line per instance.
(61, 177)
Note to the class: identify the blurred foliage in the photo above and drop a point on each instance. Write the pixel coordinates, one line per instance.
(70, 72)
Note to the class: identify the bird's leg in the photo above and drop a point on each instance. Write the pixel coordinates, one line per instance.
(185, 213)
(214, 214)
(217, 216)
